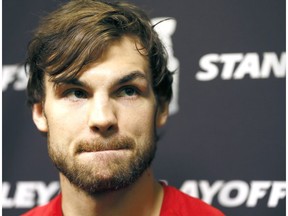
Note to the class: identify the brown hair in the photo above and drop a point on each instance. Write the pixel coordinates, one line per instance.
(77, 34)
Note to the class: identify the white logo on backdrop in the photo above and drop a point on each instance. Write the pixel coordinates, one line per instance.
(248, 194)
(165, 30)
(15, 74)
(236, 66)
(28, 193)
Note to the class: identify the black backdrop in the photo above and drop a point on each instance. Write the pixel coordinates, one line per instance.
(225, 139)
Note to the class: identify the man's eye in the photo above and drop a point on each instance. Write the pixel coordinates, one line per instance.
(76, 93)
(128, 91)
(80, 94)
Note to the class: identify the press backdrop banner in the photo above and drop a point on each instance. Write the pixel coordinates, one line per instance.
(225, 139)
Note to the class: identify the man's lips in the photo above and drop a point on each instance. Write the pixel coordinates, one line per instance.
(99, 148)
(116, 144)
(104, 150)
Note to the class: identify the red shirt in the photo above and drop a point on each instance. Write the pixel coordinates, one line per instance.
(175, 203)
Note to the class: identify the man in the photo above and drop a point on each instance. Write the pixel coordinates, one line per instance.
(99, 87)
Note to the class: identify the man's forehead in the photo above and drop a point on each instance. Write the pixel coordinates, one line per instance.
(125, 55)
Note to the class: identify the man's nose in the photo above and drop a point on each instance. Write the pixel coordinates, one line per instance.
(102, 115)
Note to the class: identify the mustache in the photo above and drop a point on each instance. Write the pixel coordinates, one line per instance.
(100, 144)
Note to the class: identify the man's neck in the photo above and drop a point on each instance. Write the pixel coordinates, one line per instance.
(144, 197)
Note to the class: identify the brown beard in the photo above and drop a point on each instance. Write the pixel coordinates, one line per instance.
(124, 174)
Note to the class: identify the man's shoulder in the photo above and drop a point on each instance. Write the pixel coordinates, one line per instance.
(178, 203)
(53, 208)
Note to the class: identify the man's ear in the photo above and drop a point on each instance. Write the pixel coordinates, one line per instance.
(162, 114)
(39, 117)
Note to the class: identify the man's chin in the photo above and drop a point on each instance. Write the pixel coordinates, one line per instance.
(94, 175)
(104, 182)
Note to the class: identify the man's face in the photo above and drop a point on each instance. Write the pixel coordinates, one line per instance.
(101, 126)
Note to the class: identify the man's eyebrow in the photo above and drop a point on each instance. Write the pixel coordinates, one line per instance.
(132, 76)
(126, 78)
(74, 81)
